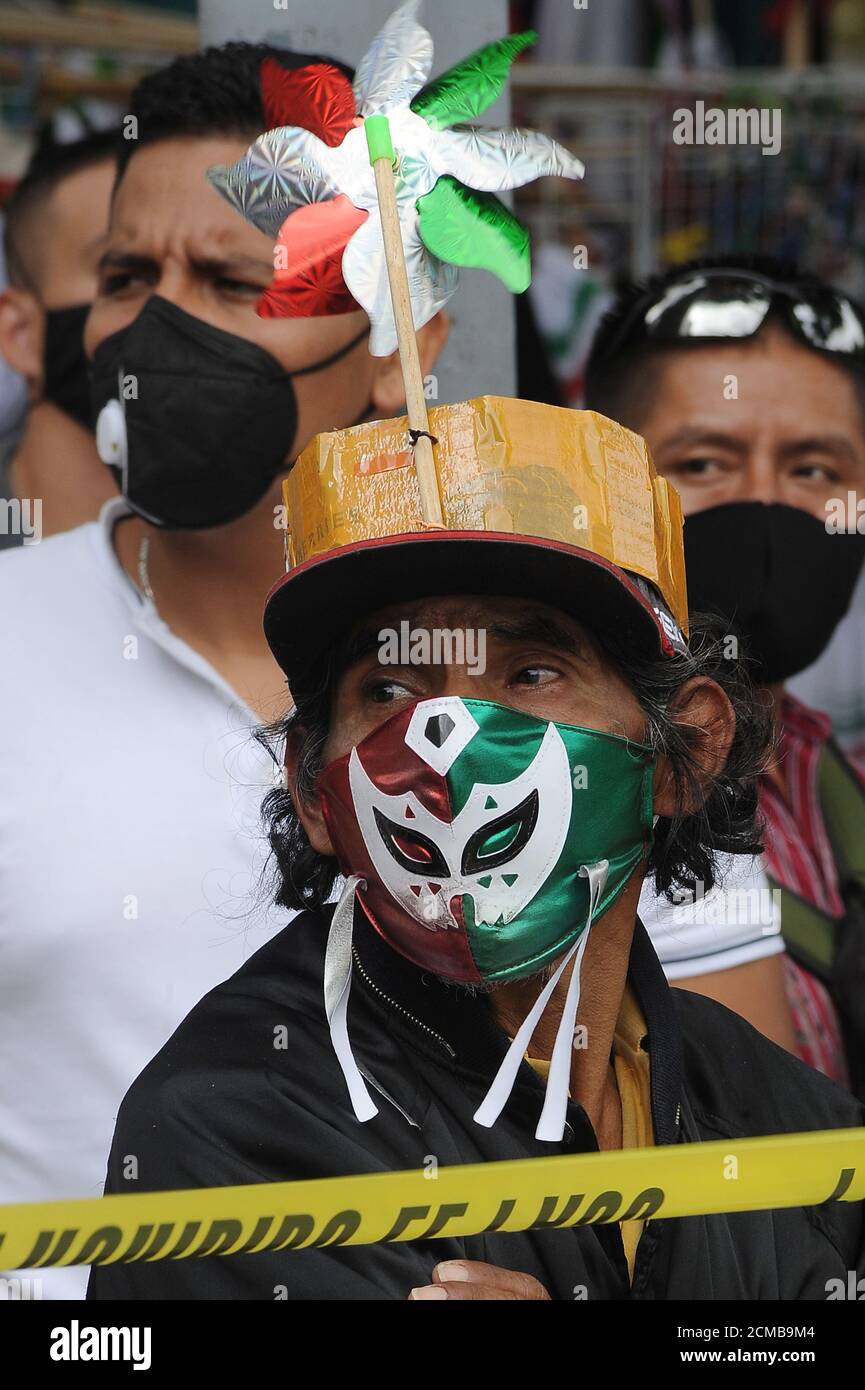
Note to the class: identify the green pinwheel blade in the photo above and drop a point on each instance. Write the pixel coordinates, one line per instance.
(467, 228)
(467, 89)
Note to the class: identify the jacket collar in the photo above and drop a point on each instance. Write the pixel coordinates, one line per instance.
(457, 1028)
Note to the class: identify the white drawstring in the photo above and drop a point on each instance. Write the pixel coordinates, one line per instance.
(337, 987)
(551, 1125)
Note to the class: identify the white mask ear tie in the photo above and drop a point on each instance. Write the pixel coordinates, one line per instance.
(337, 987)
(551, 1125)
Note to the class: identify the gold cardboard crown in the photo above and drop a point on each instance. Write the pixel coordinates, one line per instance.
(503, 465)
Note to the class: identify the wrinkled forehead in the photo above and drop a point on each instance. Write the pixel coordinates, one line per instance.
(164, 185)
(501, 619)
(459, 609)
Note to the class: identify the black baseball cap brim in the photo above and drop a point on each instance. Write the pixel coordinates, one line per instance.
(317, 603)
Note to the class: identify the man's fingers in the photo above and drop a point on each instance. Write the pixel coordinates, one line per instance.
(473, 1279)
(465, 1293)
(477, 1272)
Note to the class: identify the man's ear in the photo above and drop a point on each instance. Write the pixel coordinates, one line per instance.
(705, 716)
(308, 808)
(22, 334)
(388, 392)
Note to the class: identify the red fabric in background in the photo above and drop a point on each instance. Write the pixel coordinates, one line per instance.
(778, 16)
(799, 856)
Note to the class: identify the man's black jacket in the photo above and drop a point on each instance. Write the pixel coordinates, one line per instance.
(222, 1104)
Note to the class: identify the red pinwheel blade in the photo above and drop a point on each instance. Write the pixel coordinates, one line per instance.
(308, 258)
(318, 97)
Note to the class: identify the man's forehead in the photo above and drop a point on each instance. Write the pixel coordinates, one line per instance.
(497, 615)
(773, 349)
(166, 183)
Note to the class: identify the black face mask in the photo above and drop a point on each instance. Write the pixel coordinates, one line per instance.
(210, 418)
(66, 382)
(776, 575)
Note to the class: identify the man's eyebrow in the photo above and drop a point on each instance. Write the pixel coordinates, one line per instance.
(355, 647)
(696, 435)
(536, 628)
(837, 444)
(219, 265)
(113, 258)
(533, 629)
(116, 258)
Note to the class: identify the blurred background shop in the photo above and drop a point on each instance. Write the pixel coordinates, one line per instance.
(606, 77)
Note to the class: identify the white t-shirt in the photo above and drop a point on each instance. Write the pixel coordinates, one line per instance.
(131, 850)
(737, 922)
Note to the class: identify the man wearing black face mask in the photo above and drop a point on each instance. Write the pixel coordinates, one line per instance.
(54, 234)
(748, 382)
(202, 404)
(128, 763)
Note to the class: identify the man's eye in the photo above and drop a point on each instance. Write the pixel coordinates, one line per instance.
(240, 287)
(535, 675)
(697, 467)
(120, 281)
(816, 472)
(383, 692)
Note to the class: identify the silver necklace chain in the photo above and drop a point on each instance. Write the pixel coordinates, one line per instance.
(144, 569)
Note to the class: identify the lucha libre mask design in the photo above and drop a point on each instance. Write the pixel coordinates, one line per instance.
(498, 849)
(470, 823)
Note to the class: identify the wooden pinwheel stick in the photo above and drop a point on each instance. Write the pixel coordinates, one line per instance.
(381, 154)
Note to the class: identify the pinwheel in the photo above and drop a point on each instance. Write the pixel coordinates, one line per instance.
(313, 189)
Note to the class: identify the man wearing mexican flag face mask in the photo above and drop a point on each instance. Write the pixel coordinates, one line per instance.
(498, 727)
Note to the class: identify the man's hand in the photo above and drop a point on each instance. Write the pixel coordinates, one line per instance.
(474, 1279)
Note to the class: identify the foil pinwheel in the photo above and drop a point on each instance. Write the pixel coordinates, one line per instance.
(311, 187)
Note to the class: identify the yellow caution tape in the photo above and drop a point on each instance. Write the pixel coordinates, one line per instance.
(572, 1190)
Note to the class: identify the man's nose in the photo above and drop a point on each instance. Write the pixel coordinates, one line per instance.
(174, 283)
(461, 679)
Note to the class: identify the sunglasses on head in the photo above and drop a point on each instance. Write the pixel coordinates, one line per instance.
(707, 305)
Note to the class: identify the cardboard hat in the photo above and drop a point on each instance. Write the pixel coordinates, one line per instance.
(539, 502)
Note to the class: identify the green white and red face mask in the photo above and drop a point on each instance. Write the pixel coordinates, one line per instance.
(481, 843)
